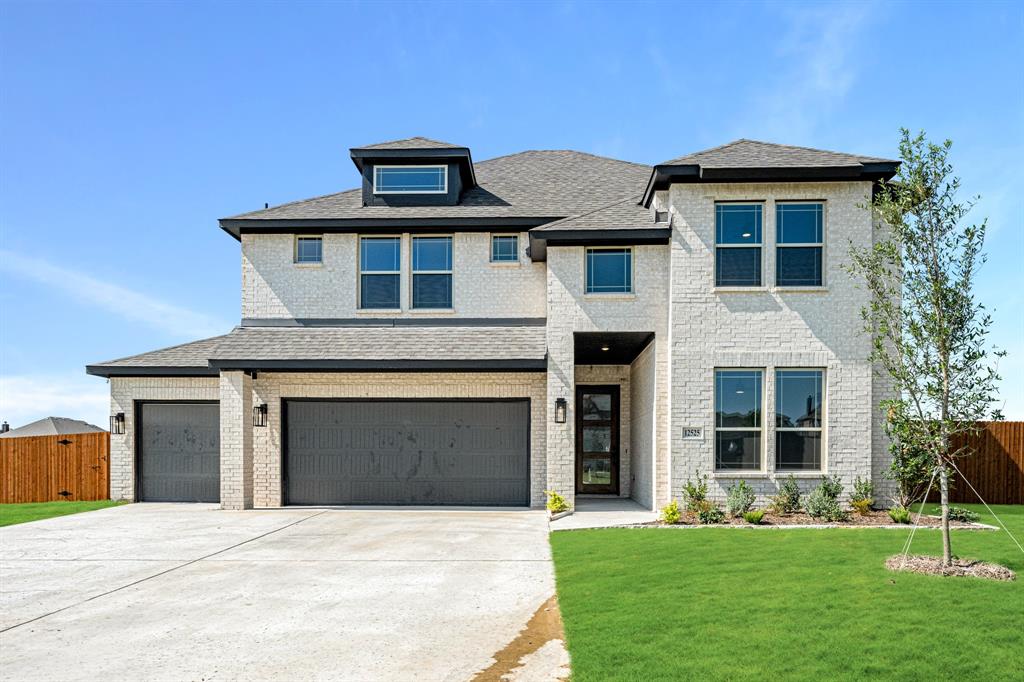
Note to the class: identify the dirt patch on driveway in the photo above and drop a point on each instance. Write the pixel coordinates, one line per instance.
(537, 653)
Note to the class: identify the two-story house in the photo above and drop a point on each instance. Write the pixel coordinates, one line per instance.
(455, 332)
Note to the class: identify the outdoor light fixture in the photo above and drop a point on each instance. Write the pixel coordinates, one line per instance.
(259, 415)
(561, 407)
(605, 347)
(117, 423)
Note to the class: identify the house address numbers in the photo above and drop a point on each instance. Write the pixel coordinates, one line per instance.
(693, 433)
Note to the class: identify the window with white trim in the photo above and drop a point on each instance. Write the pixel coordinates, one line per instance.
(798, 419)
(799, 241)
(738, 423)
(309, 249)
(432, 272)
(410, 179)
(738, 245)
(609, 271)
(380, 264)
(505, 248)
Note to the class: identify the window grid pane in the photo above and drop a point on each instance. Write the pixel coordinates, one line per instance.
(738, 236)
(799, 234)
(380, 254)
(432, 278)
(431, 179)
(798, 266)
(609, 271)
(799, 400)
(738, 429)
(738, 267)
(504, 248)
(798, 223)
(309, 250)
(738, 224)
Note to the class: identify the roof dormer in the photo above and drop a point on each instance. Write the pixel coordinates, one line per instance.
(414, 172)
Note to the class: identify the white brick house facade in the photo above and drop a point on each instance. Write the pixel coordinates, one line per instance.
(525, 330)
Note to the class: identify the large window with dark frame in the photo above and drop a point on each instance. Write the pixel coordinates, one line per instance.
(432, 272)
(380, 265)
(410, 179)
(799, 237)
(738, 245)
(798, 419)
(609, 271)
(738, 424)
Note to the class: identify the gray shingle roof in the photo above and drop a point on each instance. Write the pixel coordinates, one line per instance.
(745, 153)
(411, 143)
(193, 354)
(389, 343)
(52, 426)
(622, 214)
(531, 184)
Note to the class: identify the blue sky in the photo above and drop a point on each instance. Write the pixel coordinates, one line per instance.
(126, 130)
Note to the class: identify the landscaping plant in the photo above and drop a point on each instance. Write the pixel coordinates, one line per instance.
(696, 492)
(754, 516)
(671, 513)
(709, 513)
(787, 501)
(899, 514)
(862, 498)
(740, 499)
(962, 515)
(823, 502)
(556, 503)
(927, 330)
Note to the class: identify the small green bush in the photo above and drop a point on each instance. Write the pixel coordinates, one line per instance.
(861, 507)
(788, 499)
(741, 499)
(708, 512)
(671, 513)
(899, 514)
(754, 516)
(556, 503)
(863, 496)
(696, 492)
(958, 514)
(823, 502)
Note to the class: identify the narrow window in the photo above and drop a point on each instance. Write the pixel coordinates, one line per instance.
(738, 419)
(738, 245)
(432, 272)
(798, 419)
(799, 235)
(380, 261)
(609, 271)
(661, 216)
(410, 179)
(309, 250)
(505, 248)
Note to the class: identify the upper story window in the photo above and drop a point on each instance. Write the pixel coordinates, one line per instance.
(799, 237)
(609, 271)
(505, 248)
(738, 419)
(798, 408)
(380, 264)
(410, 179)
(738, 245)
(309, 249)
(432, 272)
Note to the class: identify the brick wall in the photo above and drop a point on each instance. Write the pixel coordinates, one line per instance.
(236, 440)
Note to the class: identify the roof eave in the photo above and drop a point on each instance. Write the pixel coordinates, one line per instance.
(496, 365)
(236, 226)
(108, 371)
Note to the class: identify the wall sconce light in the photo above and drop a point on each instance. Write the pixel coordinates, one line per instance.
(561, 407)
(259, 415)
(117, 423)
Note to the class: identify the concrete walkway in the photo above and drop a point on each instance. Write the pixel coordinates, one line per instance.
(604, 513)
(175, 592)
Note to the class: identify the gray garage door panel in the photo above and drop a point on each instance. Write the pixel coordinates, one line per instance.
(408, 452)
(179, 453)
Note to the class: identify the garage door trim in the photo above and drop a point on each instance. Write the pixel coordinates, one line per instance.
(284, 427)
(137, 436)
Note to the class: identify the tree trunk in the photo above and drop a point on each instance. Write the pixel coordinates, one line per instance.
(947, 554)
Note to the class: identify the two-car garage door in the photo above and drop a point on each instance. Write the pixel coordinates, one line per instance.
(431, 452)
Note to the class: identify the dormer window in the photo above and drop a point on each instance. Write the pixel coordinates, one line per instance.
(410, 179)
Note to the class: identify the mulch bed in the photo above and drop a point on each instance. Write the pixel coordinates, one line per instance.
(872, 518)
(931, 565)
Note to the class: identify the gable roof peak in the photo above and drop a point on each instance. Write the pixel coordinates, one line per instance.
(411, 143)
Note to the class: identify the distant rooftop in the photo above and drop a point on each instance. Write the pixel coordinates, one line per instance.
(52, 426)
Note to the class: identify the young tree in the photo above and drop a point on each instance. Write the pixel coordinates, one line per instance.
(928, 332)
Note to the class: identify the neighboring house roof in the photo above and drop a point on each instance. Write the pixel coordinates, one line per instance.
(745, 153)
(52, 426)
(532, 185)
(411, 143)
(187, 359)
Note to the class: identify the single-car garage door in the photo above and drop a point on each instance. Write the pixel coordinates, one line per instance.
(179, 452)
(407, 452)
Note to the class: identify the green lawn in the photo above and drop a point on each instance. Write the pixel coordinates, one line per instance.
(733, 604)
(34, 511)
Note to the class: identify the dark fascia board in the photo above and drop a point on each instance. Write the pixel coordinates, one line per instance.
(663, 176)
(540, 240)
(236, 226)
(519, 365)
(165, 371)
(396, 322)
(461, 155)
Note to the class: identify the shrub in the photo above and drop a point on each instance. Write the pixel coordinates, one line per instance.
(754, 516)
(696, 492)
(788, 499)
(899, 514)
(959, 514)
(671, 513)
(708, 512)
(863, 490)
(556, 503)
(861, 507)
(823, 502)
(741, 499)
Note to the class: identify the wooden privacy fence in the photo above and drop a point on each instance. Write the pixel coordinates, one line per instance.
(74, 466)
(996, 467)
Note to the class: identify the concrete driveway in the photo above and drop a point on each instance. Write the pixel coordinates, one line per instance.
(175, 592)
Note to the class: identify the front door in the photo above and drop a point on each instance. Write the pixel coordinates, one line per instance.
(597, 439)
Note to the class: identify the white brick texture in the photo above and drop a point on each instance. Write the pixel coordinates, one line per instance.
(236, 441)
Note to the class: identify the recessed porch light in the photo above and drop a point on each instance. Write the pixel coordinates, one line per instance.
(605, 347)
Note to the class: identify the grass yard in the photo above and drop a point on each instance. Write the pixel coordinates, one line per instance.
(735, 604)
(11, 514)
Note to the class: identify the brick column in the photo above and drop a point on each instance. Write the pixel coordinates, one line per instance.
(236, 467)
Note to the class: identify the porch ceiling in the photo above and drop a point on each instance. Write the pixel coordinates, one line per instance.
(622, 347)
